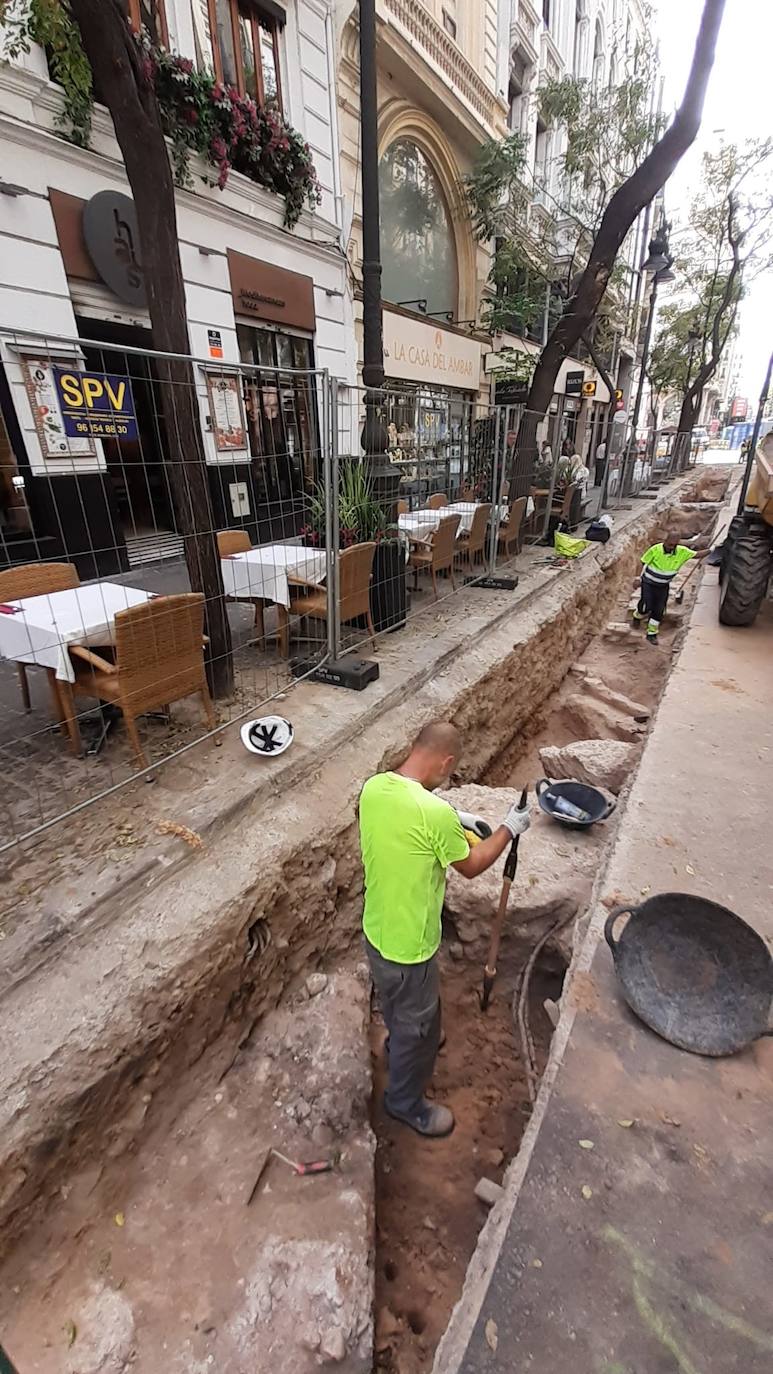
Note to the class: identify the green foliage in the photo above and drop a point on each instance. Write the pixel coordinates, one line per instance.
(496, 190)
(198, 114)
(360, 517)
(48, 23)
(727, 242)
(606, 132)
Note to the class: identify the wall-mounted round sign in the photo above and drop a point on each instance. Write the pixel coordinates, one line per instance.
(113, 240)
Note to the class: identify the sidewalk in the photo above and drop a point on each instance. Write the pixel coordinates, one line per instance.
(650, 1250)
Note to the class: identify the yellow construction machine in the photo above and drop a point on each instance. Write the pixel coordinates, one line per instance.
(747, 556)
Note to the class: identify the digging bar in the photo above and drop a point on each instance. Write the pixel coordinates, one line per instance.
(511, 864)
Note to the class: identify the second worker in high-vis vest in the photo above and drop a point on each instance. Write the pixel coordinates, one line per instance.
(661, 564)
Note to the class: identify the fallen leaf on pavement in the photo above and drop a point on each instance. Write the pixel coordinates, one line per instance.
(669, 1120)
(625, 1124)
(586, 1191)
(536, 1264)
(688, 868)
(586, 1144)
(71, 1332)
(492, 1334)
(119, 1218)
(183, 832)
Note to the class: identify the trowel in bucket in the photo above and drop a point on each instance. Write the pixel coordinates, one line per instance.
(511, 864)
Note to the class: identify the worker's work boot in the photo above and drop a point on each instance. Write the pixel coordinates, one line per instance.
(431, 1119)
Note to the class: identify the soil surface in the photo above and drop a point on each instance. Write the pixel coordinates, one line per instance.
(428, 1217)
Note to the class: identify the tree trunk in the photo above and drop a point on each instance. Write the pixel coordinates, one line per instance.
(622, 211)
(117, 66)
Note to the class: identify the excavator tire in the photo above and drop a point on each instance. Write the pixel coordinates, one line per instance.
(746, 576)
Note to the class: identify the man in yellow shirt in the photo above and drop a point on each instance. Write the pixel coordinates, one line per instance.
(661, 564)
(409, 838)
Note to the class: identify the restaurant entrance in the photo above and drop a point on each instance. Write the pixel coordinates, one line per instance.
(136, 468)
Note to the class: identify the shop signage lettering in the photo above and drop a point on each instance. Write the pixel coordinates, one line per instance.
(574, 383)
(433, 358)
(96, 405)
(112, 237)
(416, 352)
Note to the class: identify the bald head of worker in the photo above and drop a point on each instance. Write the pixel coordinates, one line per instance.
(670, 541)
(434, 755)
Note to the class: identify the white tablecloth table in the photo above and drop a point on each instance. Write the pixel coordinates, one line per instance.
(262, 573)
(421, 522)
(43, 626)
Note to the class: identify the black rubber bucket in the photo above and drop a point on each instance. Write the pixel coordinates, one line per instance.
(589, 799)
(694, 972)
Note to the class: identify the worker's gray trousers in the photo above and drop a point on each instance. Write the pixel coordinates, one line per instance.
(410, 1004)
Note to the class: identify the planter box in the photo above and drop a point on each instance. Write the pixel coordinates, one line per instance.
(388, 592)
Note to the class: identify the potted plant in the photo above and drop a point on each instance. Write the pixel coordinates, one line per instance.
(361, 519)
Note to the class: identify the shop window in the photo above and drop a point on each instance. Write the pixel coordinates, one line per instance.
(281, 416)
(418, 249)
(245, 42)
(449, 23)
(151, 16)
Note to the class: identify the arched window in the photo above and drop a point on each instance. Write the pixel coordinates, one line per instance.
(598, 58)
(418, 252)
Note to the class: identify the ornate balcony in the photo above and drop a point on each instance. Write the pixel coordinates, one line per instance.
(444, 53)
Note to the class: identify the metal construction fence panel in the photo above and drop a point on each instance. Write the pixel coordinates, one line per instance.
(136, 478)
(183, 539)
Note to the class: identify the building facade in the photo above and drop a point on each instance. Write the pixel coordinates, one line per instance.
(256, 294)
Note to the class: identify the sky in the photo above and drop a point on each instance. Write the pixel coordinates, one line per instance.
(739, 102)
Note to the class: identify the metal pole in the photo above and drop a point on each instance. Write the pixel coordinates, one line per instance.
(496, 482)
(755, 436)
(375, 437)
(330, 409)
(642, 378)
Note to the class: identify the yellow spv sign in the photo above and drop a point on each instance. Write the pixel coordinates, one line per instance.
(96, 405)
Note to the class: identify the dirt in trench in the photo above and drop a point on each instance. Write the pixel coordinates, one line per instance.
(428, 1217)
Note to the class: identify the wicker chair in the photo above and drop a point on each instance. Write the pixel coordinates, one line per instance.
(509, 536)
(437, 501)
(238, 541)
(470, 545)
(232, 541)
(35, 579)
(159, 658)
(355, 569)
(562, 504)
(436, 554)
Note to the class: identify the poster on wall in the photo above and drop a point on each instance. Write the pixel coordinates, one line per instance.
(40, 385)
(95, 404)
(225, 400)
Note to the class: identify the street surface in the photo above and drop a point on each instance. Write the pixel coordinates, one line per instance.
(642, 1238)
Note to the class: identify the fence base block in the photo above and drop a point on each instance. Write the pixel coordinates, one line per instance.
(493, 584)
(353, 673)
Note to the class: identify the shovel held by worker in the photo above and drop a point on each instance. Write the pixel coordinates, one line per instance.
(511, 864)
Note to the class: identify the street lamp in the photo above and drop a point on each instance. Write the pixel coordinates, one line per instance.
(658, 265)
(375, 439)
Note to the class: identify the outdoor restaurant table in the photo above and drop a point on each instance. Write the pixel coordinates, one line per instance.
(38, 629)
(263, 573)
(416, 521)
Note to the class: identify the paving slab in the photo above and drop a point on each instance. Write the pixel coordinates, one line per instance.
(636, 1231)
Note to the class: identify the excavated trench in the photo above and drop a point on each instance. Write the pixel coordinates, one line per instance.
(174, 1239)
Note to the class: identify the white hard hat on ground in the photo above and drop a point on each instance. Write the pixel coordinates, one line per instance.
(269, 735)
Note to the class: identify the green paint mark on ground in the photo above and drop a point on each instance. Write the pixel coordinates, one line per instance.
(657, 1275)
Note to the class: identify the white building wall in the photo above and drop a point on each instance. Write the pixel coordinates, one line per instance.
(35, 295)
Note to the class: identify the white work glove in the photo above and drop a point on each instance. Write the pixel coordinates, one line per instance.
(475, 824)
(517, 820)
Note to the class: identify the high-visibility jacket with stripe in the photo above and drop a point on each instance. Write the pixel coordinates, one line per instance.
(662, 567)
